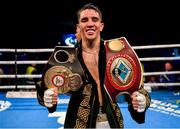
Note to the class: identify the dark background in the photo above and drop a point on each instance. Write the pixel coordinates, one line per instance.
(29, 24)
(41, 24)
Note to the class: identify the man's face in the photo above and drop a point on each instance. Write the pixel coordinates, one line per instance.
(90, 24)
(168, 66)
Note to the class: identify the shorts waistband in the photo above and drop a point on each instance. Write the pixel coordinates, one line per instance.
(101, 117)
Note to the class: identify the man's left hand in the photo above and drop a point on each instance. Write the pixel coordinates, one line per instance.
(138, 101)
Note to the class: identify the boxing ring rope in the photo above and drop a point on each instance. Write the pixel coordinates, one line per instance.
(156, 46)
(45, 61)
(17, 62)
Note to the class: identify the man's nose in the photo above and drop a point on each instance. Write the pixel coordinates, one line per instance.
(90, 23)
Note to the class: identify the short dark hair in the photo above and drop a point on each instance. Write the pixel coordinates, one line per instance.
(89, 6)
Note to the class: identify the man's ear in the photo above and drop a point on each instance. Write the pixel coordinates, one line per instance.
(77, 28)
(102, 27)
(78, 36)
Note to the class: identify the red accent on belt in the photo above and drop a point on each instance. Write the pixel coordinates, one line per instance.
(129, 57)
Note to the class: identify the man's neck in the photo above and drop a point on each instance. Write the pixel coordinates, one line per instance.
(91, 45)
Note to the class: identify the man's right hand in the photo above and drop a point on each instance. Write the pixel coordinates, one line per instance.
(50, 97)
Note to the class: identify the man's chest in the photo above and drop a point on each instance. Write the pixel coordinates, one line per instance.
(91, 62)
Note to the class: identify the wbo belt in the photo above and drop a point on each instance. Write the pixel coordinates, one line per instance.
(123, 71)
(63, 70)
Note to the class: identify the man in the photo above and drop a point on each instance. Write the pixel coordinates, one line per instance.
(91, 107)
(168, 78)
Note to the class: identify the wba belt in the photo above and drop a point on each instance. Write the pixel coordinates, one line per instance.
(63, 70)
(123, 72)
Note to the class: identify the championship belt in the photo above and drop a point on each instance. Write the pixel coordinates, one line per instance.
(123, 71)
(63, 70)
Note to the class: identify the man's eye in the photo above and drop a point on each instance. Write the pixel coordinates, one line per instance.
(84, 20)
(95, 19)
